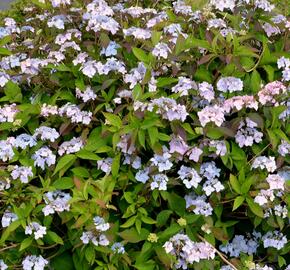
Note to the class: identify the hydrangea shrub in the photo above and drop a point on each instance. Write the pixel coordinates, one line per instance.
(145, 135)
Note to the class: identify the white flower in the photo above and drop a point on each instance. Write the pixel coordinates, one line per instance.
(161, 50)
(240, 244)
(216, 23)
(46, 133)
(189, 177)
(142, 175)
(274, 239)
(73, 112)
(33, 262)
(4, 78)
(169, 109)
(276, 182)
(264, 4)
(111, 49)
(7, 113)
(213, 185)
(183, 85)
(21, 172)
(206, 91)
(263, 162)
(209, 170)
(159, 182)
(43, 156)
(247, 133)
(86, 95)
(186, 251)
(270, 29)
(96, 239)
(56, 201)
(229, 84)
(3, 266)
(24, 140)
(198, 204)
(284, 148)
(211, 114)
(118, 248)
(283, 63)
(264, 196)
(223, 4)
(6, 150)
(57, 22)
(194, 154)
(178, 145)
(36, 229)
(138, 33)
(100, 224)
(136, 75)
(105, 165)
(72, 146)
(57, 3)
(7, 218)
(162, 161)
(47, 110)
(180, 7)
(220, 146)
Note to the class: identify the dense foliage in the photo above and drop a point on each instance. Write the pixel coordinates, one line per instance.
(144, 135)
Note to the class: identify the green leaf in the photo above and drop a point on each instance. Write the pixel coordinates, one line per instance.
(113, 119)
(153, 135)
(11, 228)
(148, 220)
(64, 183)
(84, 154)
(247, 184)
(238, 202)
(255, 81)
(169, 232)
(176, 203)
(63, 162)
(245, 51)
(164, 81)
(140, 55)
(137, 92)
(164, 257)
(270, 72)
(4, 51)
(13, 92)
(63, 261)
(132, 236)
(255, 208)
(235, 184)
(281, 261)
(81, 172)
(141, 137)
(130, 222)
(116, 165)
(90, 254)
(155, 37)
(54, 237)
(26, 243)
(62, 67)
(162, 217)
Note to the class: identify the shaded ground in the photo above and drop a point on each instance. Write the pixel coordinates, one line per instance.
(4, 4)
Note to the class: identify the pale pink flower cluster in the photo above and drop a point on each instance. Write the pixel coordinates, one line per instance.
(187, 251)
(270, 91)
(264, 162)
(240, 102)
(247, 133)
(213, 114)
(8, 113)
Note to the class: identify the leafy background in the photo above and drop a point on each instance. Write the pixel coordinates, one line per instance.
(133, 210)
